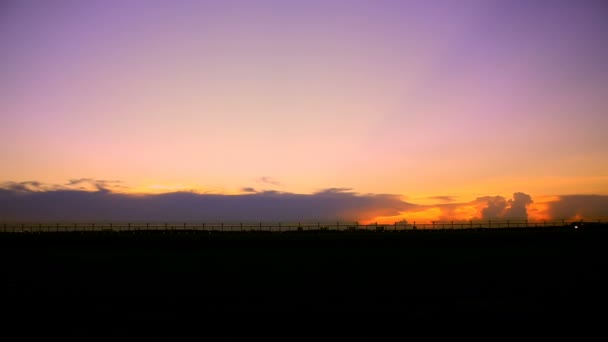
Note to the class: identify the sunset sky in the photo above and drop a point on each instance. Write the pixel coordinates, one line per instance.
(438, 106)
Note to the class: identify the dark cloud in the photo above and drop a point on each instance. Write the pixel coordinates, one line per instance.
(498, 207)
(72, 184)
(579, 207)
(327, 205)
(97, 184)
(23, 186)
(88, 199)
(518, 206)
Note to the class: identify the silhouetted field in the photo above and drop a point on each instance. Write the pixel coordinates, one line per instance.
(132, 276)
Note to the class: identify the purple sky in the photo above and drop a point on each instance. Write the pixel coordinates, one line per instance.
(412, 98)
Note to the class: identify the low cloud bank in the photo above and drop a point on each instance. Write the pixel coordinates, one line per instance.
(97, 200)
(24, 203)
(579, 207)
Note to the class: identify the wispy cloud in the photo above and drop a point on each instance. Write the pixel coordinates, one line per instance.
(84, 184)
(267, 180)
(443, 198)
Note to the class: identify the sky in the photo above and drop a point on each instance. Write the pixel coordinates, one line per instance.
(428, 110)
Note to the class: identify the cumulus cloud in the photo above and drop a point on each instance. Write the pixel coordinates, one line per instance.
(518, 206)
(498, 207)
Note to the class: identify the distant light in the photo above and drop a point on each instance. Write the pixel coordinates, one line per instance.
(575, 227)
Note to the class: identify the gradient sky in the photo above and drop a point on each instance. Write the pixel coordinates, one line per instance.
(411, 98)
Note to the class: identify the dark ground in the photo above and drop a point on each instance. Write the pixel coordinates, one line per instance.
(155, 276)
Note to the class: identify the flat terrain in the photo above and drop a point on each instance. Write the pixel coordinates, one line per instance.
(155, 275)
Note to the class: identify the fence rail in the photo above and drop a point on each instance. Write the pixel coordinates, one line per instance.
(282, 227)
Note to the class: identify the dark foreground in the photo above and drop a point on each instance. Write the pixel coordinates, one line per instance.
(156, 276)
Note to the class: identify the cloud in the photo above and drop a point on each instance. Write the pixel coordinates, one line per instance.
(96, 184)
(88, 199)
(482, 208)
(267, 180)
(579, 207)
(23, 186)
(88, 184)
(101, 205)
(498, 207)
(518, 206)
(443, 198)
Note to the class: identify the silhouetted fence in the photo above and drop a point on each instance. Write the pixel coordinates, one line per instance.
(280, 227)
